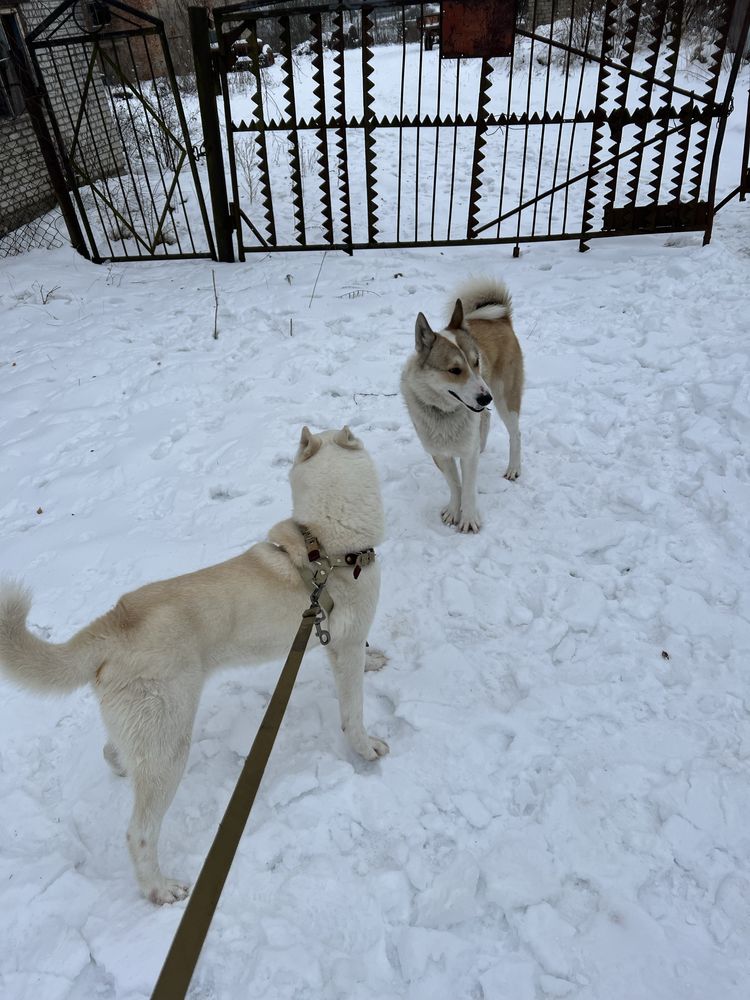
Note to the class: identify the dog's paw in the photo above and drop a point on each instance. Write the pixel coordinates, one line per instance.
(512, 472)
(370, 747)
(449, 515)
(168, 890)
(375, 659)
(469, 524)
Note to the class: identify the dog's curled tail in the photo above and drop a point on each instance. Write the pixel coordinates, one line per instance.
(485, 298)
(37, 664)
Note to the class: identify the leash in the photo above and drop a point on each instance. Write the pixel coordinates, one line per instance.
(182, 957)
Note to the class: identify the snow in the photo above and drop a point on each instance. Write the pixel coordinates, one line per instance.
(564, 809)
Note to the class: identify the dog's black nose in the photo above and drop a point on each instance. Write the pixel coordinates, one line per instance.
(485, 399)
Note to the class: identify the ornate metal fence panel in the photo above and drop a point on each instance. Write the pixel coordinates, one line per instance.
(111, 95)
(347, 127)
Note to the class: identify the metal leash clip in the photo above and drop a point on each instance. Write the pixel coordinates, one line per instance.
(324, 636)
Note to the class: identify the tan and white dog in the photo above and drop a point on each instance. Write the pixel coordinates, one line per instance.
(148, 657)
(451, 379)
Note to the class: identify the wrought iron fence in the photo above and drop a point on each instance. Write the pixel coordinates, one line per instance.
(373, 127)
(120, 131)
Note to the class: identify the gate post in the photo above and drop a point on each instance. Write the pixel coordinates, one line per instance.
(217, 184)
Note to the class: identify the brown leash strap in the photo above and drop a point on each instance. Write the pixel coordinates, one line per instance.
(179, 965)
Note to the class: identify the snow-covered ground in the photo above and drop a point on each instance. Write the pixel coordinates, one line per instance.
(564, 809)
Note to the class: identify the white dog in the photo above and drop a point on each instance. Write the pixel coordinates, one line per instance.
(445, 387)
(148, 657)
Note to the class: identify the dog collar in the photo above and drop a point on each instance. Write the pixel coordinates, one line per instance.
(324, 563)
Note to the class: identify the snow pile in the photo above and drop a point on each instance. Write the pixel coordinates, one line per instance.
(563, 810)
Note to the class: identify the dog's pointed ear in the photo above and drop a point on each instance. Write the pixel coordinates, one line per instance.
(424, 335)
(457, 319)
(309, 444)
(345, 439)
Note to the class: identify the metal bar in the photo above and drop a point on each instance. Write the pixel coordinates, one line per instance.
(369, 140)
(563, 103)
(736, 62)
(52, 43)
(205, 83)
(599, 117)
(525, 139)
(455, 140)
(401, 116)
(188, 147)
(439, 62)
(321, 135)
(480, 141)
(700, 149)
(511, 70)
(492, 241)
(544, 113)
(298, 205)
(579, 94)
(597, 133)
(339, 98)
(419, 119)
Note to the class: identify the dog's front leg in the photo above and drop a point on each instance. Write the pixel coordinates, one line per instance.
(469, 520)
(448, 467)
(348, 663)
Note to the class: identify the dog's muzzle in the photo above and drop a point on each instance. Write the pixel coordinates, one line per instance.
(484, 400)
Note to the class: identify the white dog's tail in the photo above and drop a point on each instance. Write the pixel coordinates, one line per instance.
(35, 663)
(485, 298)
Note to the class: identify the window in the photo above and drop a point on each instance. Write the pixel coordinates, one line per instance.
(11, 51)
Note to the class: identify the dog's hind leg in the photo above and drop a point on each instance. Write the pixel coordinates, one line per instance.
(448, 467)
(348, 664)
(510, 419)
(152, 724)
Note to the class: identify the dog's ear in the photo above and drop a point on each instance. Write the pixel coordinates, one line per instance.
(424, 335)
(457, 319)
(345, 439)
(309, 444)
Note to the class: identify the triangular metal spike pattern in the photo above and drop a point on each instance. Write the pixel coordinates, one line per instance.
(649, 46)
(321, 147)
(367, 98)
(264, 188)
(339, 111)
(677, 172)
(295, 171)
(321, 140)
(480, 141)
(671, 31)
(713, 68)
(600, 133)
(264, 180)
(316, 61)
(287, 71)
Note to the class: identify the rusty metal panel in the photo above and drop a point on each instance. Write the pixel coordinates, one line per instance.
(477, 28)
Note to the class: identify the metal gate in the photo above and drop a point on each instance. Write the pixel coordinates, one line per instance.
(109, 90)
(388, 124)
